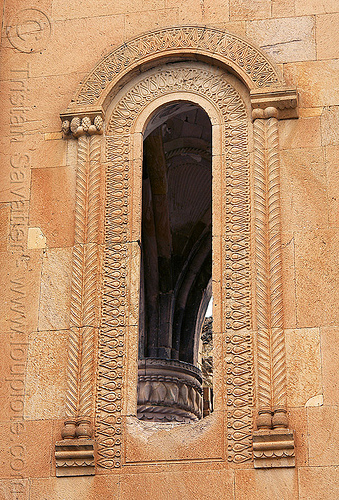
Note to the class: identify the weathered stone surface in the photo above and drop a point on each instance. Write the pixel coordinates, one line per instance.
(303, 365)
(36, 238)
(4, 226)
(12, 487)
(323, 429)
(330, 364)
(20, 275)
(288, 249)
(184, 485)
(79, 10)
(297, 134)
(136, 24)
(304, 190)
(313, 7)
(285, 39)
(46, 382)
(282, 8)
(317, 82)
(318, 483)
(329, 126)
(241, 9)
(332, 173)
(55, 289)
(316, 263)
(297, 418)
(327, 36)
(26, 447)
(273, 484)
(72, 488)
(52, 204)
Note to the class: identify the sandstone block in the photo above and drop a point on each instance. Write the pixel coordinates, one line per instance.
(332, 172)
(73, 488)
(55, 289)
(184, 485)
(136, 23)
(242, 9)
(46, 384)
(327, 36)
(304, 184)
(314, 7)
(285, 39)
(323, 432)
(316, 278)
(317, 82)
(318, 483)
(52, 204)
(330, 364)
(274, 484)
(303, 365)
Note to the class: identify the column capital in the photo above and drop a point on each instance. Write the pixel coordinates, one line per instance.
(281, 103)
(87, 122)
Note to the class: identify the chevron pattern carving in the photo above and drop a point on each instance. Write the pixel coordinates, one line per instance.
(269, 302)
(85, 280)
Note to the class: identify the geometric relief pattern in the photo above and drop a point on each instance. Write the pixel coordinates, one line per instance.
(239, 361)
(213, 85)
(190, 39)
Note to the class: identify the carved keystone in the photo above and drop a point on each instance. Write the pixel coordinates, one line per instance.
(273, 448)
(74, 457)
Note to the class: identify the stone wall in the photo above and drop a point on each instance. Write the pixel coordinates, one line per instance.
(46, 51)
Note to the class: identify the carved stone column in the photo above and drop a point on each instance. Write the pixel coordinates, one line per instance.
(273, 443)
(75, 454)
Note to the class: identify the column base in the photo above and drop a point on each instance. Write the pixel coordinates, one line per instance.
(74, 457)
(273, 448)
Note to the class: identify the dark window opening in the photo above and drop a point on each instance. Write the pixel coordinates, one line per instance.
(176, 264)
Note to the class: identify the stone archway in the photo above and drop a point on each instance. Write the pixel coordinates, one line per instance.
(105, 339)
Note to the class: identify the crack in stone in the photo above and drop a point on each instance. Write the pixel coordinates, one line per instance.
(280, 43)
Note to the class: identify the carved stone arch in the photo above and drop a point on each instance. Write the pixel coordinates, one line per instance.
(215, 92)
(103, 325)
(219, 48)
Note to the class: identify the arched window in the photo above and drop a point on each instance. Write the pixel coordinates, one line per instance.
(123, 310)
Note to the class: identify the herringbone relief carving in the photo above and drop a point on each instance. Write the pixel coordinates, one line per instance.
(270, 446)
(84, 302)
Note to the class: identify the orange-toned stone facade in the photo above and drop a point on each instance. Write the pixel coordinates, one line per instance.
(81, 85)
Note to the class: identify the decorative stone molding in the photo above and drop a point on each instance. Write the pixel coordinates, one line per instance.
(271, 357)
(284, 100)
(273, 449)
(213, 85)
(169, 44)
(168, 391)
(84, 297)
(74, 457)
(84, 121)
(82, 124)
